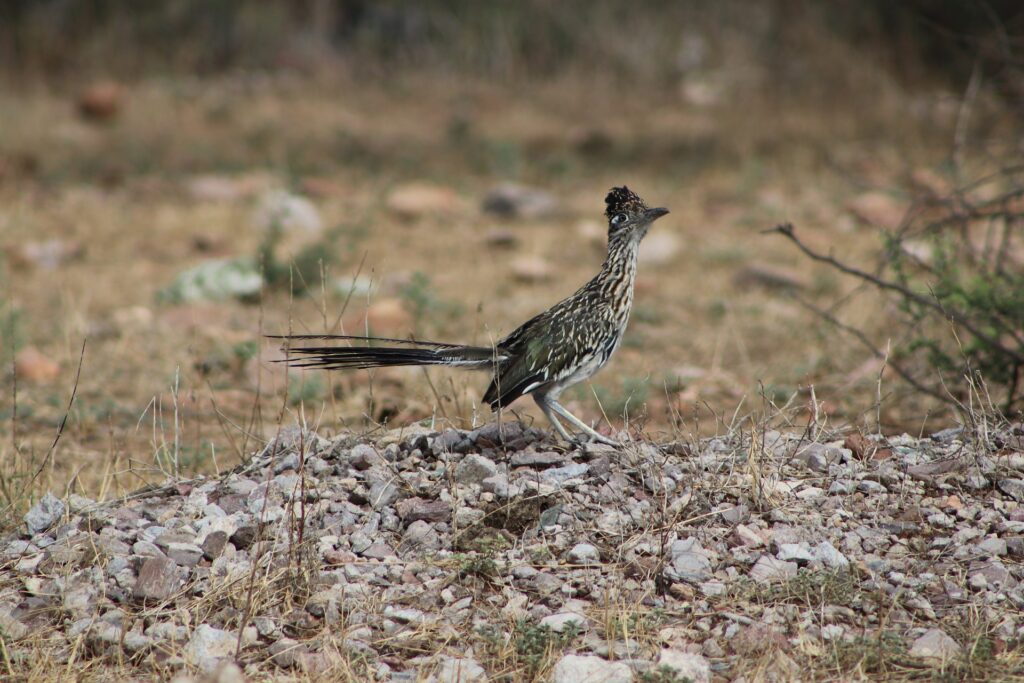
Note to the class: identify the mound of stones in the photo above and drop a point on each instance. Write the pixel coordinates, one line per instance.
(391, 554)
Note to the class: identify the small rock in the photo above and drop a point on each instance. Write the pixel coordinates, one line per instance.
(214, 544)
(871, 487)
(735, 514)
(935, 644)
(531, 269)
(537, 459)
(560, 475)
(415, 509)
(414, 200)
(689, 562)
(1014, 488)
(31, 365)
(10, 626)
(459, 670)
(184, 554)
(687, 666)
(827, 554)
(101, 101)
(44, 514)
(796, 552)
(378, 551)
(878, 209)
(817, 456)
(421, 534)
(364, 456)
(288, 653)
(768, 569)
(46, 255)
(590, 669)
(746, 536)
(584, 553)
(158, 579)
(559, 621)
(511, 200)
(993, 546)
(473, 469)
(208, 646)
(282, 210)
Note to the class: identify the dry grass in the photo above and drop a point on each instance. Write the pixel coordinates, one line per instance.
(171, 390)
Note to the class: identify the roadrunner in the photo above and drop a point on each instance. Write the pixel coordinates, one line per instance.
(547, 354)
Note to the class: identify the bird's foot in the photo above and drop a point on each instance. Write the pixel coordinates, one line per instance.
(582, 440)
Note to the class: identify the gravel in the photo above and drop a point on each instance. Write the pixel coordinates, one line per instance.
(597, 563)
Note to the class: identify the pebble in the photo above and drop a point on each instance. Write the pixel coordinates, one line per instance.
(44, 514)
(686, 665)
(768, 569)
(935, 644)
(473, 469)
(584, 553)
(208, 646)
(445, 530)
(459, 670)
(559, 621)
(590, 669)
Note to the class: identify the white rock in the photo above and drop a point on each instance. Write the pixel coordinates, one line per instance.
(935, 644)
(459, 670)
(559, 621)
(768, 569)
(584, 553)
(827, 554)
(590, 669)
(208, 646)
(798, 552)
(281, 210)
(686, 665)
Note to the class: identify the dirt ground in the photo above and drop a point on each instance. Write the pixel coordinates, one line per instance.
(397, 173)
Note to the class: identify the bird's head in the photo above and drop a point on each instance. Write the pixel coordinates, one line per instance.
(628, 215)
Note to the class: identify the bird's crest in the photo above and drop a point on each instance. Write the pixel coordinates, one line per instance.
(621, 199)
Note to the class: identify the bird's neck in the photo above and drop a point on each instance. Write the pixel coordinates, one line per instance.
(615, 281)
(622, 255)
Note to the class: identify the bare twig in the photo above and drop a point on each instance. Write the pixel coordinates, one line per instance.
(64, 420)
(875, 351)
(955, 316)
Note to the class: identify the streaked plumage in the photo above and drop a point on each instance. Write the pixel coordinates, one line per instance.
(552, 351)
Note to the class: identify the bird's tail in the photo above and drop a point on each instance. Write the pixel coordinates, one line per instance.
(409, 353)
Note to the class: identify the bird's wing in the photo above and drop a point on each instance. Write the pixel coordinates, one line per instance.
(537, 358)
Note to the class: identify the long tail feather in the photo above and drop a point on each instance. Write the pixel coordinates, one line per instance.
(343, 357)
(389, 340)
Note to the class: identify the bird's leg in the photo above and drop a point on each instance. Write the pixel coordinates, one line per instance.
(546, 406)
(584, 427)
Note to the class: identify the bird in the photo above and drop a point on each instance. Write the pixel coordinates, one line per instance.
(552, 351)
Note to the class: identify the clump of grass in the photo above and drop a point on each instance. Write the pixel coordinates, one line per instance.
(663, 674)
(306, 389)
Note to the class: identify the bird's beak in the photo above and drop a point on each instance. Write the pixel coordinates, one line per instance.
(655, 214)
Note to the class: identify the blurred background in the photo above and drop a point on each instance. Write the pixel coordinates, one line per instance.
(178, 178)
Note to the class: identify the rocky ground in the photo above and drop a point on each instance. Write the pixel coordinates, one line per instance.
(464, 556)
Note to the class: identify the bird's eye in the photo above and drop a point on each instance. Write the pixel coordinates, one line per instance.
(618, 219)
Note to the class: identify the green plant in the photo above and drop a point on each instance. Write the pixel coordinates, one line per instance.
(311, 388)
(534, 643)
(953, 276)
(664, 674)
(423, 302)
